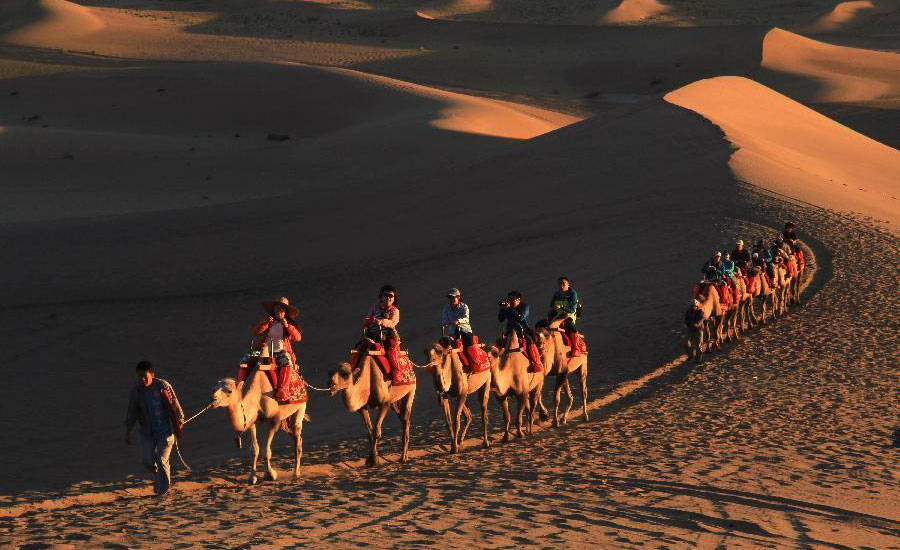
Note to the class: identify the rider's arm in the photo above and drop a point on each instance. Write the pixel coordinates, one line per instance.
(393, 320)
(292, 331)
(262, 326)
(445, 317)
(464, 318)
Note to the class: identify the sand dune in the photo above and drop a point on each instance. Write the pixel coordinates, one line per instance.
(788, 148)
(633, 11)
(845, 74)
(61, 20)
(843, 14)
(456, 8)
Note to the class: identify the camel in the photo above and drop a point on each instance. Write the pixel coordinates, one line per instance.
(729, 319)
(450, 380)
(365, 387)
(712, 320)
(558, 363)
(246, 404)
(510, 374)
(798, 279)
(766, 292)
(782, 281)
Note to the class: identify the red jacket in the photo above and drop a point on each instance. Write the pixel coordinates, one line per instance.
(291, 333)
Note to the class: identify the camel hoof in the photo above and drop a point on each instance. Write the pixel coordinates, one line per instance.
(271, 475)
(485, 445)
(586, 417)
(555, 423)
(404, 459)
(253, 480)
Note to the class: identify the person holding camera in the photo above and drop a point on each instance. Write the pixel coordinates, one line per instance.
(564, 304)
(275, 333)
(515, 313)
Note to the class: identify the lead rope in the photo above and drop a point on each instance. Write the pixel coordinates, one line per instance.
(178, 446)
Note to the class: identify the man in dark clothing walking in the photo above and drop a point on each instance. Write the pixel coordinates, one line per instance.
(154, 405)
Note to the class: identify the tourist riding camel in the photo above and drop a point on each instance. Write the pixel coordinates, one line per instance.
(275, 333)
(790, 233)
(515, 312)
(728, 266)
(380, 324)
(740, 255)
(714, 263)
(564, 305)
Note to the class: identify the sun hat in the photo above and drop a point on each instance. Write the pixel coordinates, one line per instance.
(268, 305)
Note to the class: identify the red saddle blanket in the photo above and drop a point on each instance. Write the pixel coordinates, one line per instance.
(402, 375)
(474, 358)
(288, 383)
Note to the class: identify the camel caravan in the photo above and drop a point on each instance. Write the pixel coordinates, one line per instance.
(739, 290)
(378, 377)
(743, 289)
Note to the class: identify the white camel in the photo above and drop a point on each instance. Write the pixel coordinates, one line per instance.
(366, 388)
(246, 404)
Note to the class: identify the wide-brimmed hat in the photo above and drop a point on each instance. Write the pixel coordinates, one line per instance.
(292, 312)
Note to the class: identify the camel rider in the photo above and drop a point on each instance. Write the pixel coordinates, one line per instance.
(740, 255)
(728, 266)
(515, 313)
(275, 332)
(455, 318)
(716, 263)
(564, 304)
(790, 233)
(381, 322)
(765, 255)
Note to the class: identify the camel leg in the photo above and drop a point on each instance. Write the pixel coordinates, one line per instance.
(406, 419)
(270, 435)
(530, 399)
(571, 401)
(557, 396)
(364, 413)
(298, 439)
(485, 395)
(468, 414)
(445, 405)
(520, 407)
(374, 459)
(584, 400)
(254, 455)
(504, 403)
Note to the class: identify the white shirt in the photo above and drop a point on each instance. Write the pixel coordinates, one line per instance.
(275, 337)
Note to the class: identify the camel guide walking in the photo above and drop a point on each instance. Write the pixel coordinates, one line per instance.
(155, 406)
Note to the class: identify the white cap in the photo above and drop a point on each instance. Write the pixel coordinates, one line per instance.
(453, 292)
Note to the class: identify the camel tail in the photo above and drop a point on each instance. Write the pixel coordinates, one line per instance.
(306, 417)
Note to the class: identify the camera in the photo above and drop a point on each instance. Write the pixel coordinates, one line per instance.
(504, 303)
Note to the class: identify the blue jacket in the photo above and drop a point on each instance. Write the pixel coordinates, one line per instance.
(516, 317)
(719, 268)
(456, 313)
(567, 301)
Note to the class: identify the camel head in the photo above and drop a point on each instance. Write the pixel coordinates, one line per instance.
(224, 392)
(340, 379)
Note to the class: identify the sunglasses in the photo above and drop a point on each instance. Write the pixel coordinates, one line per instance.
(387, 295)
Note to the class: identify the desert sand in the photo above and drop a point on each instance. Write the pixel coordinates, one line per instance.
(166, 165)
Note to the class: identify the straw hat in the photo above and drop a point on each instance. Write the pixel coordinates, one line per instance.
(291, 310)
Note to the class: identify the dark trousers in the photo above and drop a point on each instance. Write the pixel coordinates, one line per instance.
(466, 337)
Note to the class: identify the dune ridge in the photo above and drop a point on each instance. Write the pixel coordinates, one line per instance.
(846, 74)
(456, 8)
(791, 149)
(842, 15)
(61, 19)
(633, 11)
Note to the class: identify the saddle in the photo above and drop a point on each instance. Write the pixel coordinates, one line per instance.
(395, 364)
(283, 374)
(473, 358)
